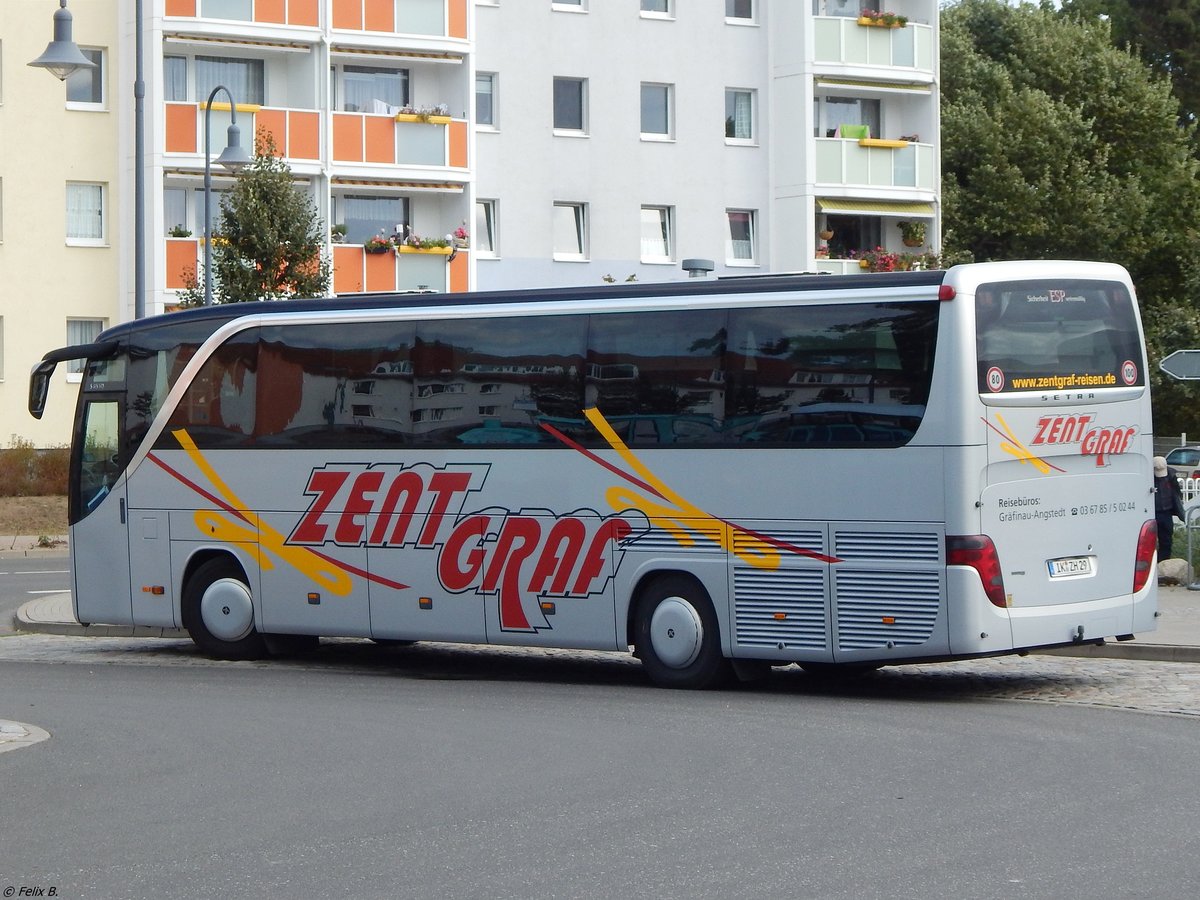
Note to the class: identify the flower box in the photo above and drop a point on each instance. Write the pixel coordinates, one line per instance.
(882, 142)
(883, 20)
(444, 251)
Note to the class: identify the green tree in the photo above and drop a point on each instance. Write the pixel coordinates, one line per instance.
(270, 239)
(1165, 33)
(1058, 144)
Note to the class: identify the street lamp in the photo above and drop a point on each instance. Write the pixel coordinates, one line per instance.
(233, 158)
(62, 56)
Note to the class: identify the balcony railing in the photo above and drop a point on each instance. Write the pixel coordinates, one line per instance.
(297, 132)
(300, 13)
(434, 18)
(844, 41)
(852, 162)
(355, 270)
(400, 140)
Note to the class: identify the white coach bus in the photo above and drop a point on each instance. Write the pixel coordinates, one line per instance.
(724, 475)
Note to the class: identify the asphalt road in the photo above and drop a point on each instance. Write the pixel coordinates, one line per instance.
(25, 578)
(568, 777)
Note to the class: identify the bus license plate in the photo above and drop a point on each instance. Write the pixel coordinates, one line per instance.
(1070, 565)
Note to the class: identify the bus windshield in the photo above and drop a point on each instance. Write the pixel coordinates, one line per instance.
(1056, 334)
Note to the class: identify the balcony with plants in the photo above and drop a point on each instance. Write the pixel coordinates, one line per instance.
(898, 246)
(896, 37)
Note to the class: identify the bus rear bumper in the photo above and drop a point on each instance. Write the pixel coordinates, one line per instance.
(1092, 620)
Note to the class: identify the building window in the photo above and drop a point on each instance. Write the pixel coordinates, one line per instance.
(569, 5)
(175, 79)
(570, 231)
(835, 112)
(844, 8)
(656, 7)
(371, 89)
(485, 99)
(82, 331)
(656, 234)
(85, 87)
(739, 115)
(485, 228)
(175, 209)
(85, 214)
(739, 249)
(739, 9)
(243, 77)
(656, 110)
(366, 216)
(570, 104)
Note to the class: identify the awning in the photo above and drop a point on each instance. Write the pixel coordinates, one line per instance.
(877, 207)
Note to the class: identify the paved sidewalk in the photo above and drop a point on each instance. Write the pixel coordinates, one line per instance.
(1177, 638)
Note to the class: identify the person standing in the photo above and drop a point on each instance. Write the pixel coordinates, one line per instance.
(1168, 505)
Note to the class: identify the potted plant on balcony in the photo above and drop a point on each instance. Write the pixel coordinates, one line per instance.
(338, 233)
(180, 231)
(461, 238)
(879, 19)
(377, 244)
(912, 233)
(825, 233)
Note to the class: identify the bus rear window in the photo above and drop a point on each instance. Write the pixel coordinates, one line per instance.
(1056, 335)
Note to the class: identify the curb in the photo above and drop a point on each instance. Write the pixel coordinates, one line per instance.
(1131, 650)
(26, 624)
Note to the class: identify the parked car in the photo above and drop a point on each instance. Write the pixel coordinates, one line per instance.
(1185, 461)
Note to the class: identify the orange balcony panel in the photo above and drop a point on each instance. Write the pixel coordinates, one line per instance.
(460, 273)
(347, 14)
(348, 269)
(181, 8)
(347, 137)
(273, 11)
(381, 271)
(181, 262)
(303, 12)
(456, 19)
(181, 128)
(274, 123)
(458, 144)
(304, 135)
(381, 139)
(379, 15)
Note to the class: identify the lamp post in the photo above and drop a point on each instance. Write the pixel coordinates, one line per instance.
(62, 56)
(233, 158)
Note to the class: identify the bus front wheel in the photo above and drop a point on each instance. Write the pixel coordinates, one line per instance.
(218, 611)
(677, 635)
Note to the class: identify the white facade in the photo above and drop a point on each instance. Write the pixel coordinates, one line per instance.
(578, 141)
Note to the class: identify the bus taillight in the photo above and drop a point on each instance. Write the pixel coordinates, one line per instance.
(1143, 561)
(978, 552)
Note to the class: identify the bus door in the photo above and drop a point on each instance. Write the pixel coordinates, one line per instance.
(100, 530)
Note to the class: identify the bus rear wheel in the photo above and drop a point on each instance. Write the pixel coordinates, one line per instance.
(218, 611)
(677, 635)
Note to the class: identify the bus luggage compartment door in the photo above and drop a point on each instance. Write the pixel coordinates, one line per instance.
(888, 585)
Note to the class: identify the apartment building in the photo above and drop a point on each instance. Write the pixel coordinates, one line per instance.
(552, 141)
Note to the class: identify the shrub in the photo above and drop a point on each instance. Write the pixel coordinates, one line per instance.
(26, 471)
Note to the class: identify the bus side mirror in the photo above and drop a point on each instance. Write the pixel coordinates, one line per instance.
(39, 386)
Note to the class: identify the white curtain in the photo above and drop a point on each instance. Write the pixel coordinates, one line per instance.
(85, 211)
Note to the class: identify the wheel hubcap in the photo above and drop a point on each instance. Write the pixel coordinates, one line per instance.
(227, 610)
(676, 632)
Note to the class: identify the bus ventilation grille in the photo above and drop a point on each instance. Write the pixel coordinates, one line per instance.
(919, 546)
(878, 608)
(784, 606)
